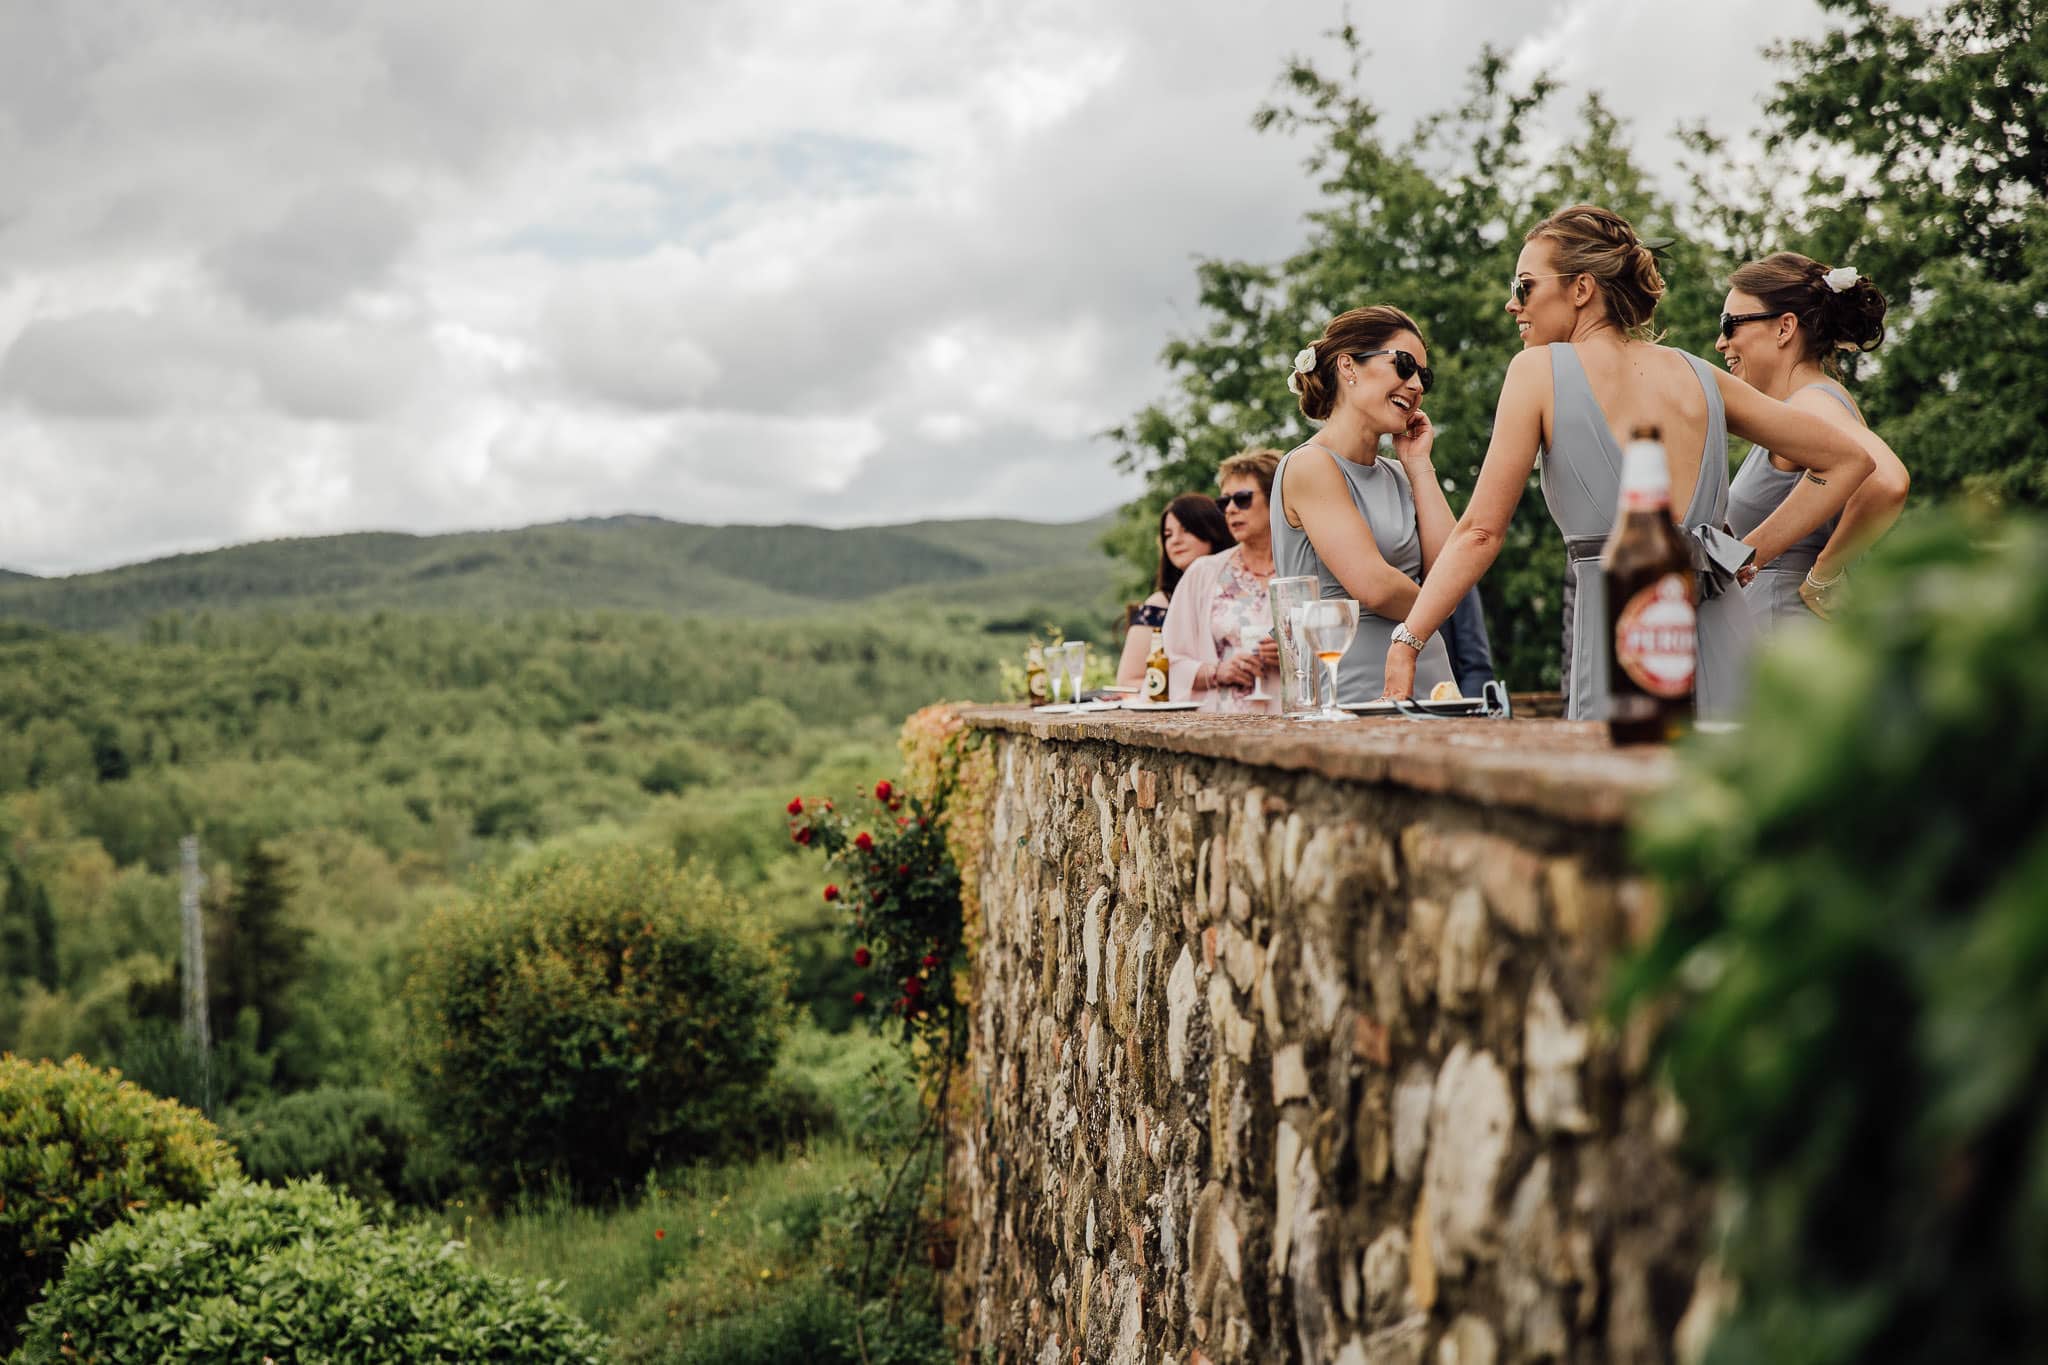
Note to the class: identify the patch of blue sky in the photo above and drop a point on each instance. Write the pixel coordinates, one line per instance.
(695, 206)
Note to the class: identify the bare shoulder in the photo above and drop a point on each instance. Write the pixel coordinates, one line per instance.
(1531, 366)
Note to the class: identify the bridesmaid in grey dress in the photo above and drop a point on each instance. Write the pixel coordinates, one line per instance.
(1786, 321)
(1365, 525)
(1584, 295)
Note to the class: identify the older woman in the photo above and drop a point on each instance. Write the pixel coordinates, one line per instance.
(1786, 320)
(1219, 630)
(1584, 299)
(1191, 527)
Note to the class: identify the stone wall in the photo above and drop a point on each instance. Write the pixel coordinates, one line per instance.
(1289, 1046)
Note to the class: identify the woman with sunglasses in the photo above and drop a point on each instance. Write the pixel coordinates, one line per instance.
(1366, 526)
(1219, 628)
(1190, 528)
(1786, 320)
(1584, 298)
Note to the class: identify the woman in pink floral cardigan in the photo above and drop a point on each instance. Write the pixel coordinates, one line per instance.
(1219, 628)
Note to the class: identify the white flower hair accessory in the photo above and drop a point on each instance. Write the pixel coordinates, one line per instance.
(1840, 278)
(1304, 363)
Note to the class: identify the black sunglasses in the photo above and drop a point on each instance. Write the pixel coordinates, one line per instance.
(1521, 284)
(1730, 321)
(1241, 500)
(1405, 367)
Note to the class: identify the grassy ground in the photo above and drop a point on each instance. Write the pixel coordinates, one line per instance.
(733, 1264)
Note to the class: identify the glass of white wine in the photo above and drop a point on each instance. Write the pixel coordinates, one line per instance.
(1327, 626)
(1074, 655)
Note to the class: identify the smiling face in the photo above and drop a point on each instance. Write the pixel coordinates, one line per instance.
(1248, 524)
(1183, 547)
(1762, 351)
(1374, 388)
(1554, 301)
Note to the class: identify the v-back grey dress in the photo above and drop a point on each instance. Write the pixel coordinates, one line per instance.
(1759, 486)
(1382, 496)
(1582, 487)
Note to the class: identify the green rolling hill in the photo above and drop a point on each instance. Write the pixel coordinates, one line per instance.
(1002, 571)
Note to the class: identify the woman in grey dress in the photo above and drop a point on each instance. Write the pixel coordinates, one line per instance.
(1583, 298)
(1786, 320)
(1366, 526)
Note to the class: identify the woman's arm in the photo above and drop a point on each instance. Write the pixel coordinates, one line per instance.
(1835, 463)
(1433, 519)
(1190, 648)
(1137, 647)
(1474, 543)
(1317, 492)
(1875, 504)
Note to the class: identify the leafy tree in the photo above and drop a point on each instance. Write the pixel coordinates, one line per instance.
(28, 931)
(259, 952)
(1934, 147)
(1431, 225)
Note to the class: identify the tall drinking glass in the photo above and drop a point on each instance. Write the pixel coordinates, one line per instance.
(1074, 654)
(1297, 683)
(1327, 625)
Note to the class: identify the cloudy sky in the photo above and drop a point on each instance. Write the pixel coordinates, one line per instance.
(280, 270)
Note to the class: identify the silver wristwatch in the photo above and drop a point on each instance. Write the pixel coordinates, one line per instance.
(1405, 636)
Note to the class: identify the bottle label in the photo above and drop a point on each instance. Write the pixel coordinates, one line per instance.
(1656, 638)
(1155, 684)
(1039, 687)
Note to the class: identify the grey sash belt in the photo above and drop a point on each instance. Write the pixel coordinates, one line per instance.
(1716, 555)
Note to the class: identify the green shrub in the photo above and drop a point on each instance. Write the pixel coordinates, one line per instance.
(1856, 952)
(81, 1149)
(592, 1018)
(293, 1274)
(366, 1141)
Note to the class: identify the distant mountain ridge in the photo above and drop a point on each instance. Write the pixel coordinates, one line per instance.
(625, 563)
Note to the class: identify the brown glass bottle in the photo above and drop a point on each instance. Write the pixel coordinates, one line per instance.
(1652, 626)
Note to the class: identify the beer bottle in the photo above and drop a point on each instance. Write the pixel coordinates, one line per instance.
(1651, 626)
(1037, 687)
(1156, 669)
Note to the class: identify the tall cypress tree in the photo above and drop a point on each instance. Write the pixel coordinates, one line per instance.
(259, 954)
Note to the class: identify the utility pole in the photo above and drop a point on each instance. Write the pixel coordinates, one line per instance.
(196, 1032)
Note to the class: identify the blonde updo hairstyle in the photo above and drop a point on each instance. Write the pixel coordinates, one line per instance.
(1829, 322)
(1589, 240)
(1361, 329)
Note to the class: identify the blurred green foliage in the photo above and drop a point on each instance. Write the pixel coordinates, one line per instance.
(371, 1143)
(80, 1150)
(1856, 954)
(300, 1274)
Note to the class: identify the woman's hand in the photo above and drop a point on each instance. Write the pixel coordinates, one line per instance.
(1400, 671)
(1414, 444)
(1239, 670)
(1269, 654)
(1824, 597)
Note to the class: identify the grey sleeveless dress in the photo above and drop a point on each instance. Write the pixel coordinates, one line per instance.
(1582, 487)
(1758, 488)
(1382, 496)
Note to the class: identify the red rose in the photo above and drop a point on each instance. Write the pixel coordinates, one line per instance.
(912, 987)
(864, 841)
(861, 957)
(831, 891)
(881, 896)
(930, 961)
(883, 789)
(903, 869)
(859, 998)
(660, 1233)
(802, 836)
(795, 806)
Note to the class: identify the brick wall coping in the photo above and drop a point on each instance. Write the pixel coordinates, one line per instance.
(1563, 769)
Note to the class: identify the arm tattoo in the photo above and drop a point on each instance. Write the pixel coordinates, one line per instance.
(1816, 478)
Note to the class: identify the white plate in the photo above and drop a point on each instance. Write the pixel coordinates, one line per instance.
(1076, 708)
(1161, 705)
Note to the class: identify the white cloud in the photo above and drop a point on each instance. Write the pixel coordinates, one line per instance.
(381, 264)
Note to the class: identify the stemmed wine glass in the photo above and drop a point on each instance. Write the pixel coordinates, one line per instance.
(1327, 626)
(1251, 643)
(1304, 660)
(1074, 657)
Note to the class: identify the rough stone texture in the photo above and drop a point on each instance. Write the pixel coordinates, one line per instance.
(1288, 1048)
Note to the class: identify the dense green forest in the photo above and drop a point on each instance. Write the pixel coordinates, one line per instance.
(1007, 569)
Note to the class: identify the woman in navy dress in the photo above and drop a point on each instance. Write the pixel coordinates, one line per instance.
(1191, 528)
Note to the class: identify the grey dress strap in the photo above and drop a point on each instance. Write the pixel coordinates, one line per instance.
(1758, 489)
(1380, 492)
(1582, 488)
